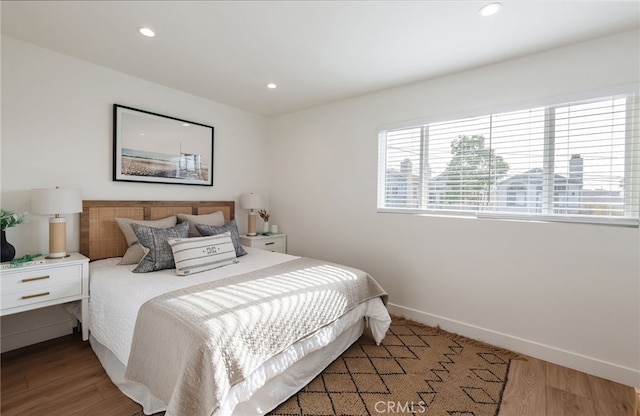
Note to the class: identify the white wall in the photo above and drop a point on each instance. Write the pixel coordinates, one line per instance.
(57, 131)
(567, 293)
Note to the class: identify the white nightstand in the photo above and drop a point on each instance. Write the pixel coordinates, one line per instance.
(51, 283)
(273, 242)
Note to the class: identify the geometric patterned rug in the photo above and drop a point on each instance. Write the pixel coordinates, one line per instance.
(417, 369)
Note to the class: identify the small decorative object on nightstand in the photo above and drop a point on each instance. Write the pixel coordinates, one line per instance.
(9, 219)
(272, 242)
(50, 283)
(265, 219)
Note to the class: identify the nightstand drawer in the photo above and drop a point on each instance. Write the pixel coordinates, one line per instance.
(40, 278)
(31, 296)
(271, 244)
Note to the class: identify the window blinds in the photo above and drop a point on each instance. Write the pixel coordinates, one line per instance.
(576, 161)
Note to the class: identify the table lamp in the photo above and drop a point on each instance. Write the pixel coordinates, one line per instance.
(251, 202)
(55, 202)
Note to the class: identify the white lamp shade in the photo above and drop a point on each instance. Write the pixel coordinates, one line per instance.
(53, 201)
(251, 201)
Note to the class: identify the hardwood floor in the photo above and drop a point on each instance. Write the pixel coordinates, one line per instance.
(540, 388)
(59, 377)
(63, 377)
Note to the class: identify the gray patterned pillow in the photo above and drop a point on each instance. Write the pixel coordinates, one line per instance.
(231, 226)
(158, 254)
(135, 253)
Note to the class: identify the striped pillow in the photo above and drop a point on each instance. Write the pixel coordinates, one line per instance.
(194, 255)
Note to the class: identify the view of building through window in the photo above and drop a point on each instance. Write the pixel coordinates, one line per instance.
(574, 159)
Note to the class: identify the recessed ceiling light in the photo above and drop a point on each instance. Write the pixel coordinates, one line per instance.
(490, 9)
(272, 86)
(145, 31)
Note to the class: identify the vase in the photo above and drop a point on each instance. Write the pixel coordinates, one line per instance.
(265, 227)
(8, 251)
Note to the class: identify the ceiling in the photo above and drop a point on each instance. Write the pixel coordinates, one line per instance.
(315, 51)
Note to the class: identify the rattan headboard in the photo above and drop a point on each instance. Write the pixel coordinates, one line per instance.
(100, 236)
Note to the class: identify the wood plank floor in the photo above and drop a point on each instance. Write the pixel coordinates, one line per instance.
(64, 377)
(540, 388)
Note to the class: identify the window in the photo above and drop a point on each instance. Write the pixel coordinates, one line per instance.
(578, 161)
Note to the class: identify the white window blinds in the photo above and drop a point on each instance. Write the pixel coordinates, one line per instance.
(572, 162)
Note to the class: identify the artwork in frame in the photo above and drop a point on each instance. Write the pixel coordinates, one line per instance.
(150, 147)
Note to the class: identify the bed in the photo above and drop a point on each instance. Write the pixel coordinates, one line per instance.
(238, 339)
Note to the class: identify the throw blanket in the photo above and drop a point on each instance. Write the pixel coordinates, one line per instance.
(191, 345)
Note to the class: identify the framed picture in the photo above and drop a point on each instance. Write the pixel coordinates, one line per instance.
(150, 147)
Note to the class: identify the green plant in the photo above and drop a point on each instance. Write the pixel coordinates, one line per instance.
(10, 219)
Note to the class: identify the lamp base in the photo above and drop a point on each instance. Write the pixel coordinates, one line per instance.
(55, 256)
(57, 238)
(252, 224)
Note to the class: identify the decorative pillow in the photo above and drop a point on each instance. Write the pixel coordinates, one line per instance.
(215, 218)
(197, 254)
(232, 227)
(135, 253)
(158, 254)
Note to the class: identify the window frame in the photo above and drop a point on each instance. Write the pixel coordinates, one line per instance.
(631, 185)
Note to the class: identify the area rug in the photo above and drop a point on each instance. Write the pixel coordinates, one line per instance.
(416, 370)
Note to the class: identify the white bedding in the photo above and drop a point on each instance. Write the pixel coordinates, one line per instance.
(117, 296)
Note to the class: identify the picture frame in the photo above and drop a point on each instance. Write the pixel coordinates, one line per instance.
(154, 148)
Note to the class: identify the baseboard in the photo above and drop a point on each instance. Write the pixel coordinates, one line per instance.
(589, 365)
